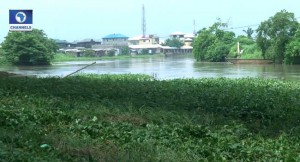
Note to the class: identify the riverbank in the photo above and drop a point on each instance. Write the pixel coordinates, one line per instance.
(138, 118)
(60, 57)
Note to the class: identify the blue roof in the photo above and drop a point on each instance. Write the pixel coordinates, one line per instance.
(111, 36)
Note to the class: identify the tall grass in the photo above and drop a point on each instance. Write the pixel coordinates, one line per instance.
(138, 118)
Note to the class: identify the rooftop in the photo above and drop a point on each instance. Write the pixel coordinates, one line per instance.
(88, 40)
(60, 41)
(111, 36)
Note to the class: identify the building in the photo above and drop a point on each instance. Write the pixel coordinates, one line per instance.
(87, 43)
(188, 39)
(140, 40)
(62, 44)
(178, 35)
(115, 40)
(112, 42)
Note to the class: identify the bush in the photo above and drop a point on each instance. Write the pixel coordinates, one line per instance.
(111, 52)
(89, 53)
(29, 48)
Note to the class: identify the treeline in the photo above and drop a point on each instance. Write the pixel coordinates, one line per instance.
(277, 38)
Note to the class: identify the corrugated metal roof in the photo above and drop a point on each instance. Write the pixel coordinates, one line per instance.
(111, 36)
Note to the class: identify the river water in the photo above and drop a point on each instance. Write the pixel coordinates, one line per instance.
(162, 68)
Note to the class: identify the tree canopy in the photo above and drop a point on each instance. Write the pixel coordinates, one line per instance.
(292, 55)
(275, 33)
(28, 48)
(213, 44)
(174, 42)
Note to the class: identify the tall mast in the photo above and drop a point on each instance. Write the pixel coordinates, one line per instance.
(194, 27)
(144, 22)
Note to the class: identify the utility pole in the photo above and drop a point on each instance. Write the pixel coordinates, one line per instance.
(144, 22)
(194, 27)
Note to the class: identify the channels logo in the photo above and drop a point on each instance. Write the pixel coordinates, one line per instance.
(20, 20)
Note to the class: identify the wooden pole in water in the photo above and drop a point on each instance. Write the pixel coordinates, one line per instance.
(80, 69)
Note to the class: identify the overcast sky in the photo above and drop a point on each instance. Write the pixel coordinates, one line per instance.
(79, 19)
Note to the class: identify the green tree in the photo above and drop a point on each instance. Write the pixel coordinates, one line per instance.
(111, 52)
(213, 44)
(125, 50)
(28, 48)
(292, 54)
(174, 42)
(89, 53)
(276, 33)
(249, 32)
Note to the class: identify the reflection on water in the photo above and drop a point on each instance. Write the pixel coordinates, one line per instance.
(163, 68)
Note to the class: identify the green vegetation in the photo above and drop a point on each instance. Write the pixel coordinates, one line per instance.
(60, 57)
(174, 42)
(248, 48)
(138, 118)
(28, 48)
(213, 44)
(249, 32)
(125, 50)
(275, 33)
(292, 55)
(276, 39)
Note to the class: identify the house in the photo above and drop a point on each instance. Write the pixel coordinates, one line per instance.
(140, 40)
(149, 48)
(188, 39)
(178, 35)
(87, 43)
(62, 43)
(111, 42)
(115, 39)
(140, 44)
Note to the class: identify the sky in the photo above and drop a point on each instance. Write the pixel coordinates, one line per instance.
(80, 19)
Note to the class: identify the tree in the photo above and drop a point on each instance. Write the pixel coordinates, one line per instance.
(125, 50)
(276, 33)
(249, 32)
(174, 42)
(89, 53)
(292, 54)
(29, 48)
(213, 44)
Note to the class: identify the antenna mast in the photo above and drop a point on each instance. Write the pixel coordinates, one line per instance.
(144, 22)
(194, 27)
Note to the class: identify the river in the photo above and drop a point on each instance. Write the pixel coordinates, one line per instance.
(162, 68)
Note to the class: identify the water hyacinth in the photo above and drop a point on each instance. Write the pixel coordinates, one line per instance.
(140, 118)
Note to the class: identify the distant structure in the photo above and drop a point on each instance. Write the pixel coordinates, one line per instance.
(194, 27)
(144, 22)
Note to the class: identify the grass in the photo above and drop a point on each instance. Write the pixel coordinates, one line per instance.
(66, 57)
(138, 118)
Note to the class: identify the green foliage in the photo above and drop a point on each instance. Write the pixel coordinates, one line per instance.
(248, 48)
(125, 50)
(174, 42)
(292, 54)
(111, 52)
(89, 53)
(249, 32)
(138, 118)
(276, 33)
(213, 44)
(29, 48)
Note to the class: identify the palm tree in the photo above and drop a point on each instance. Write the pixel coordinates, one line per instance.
(249, 32)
